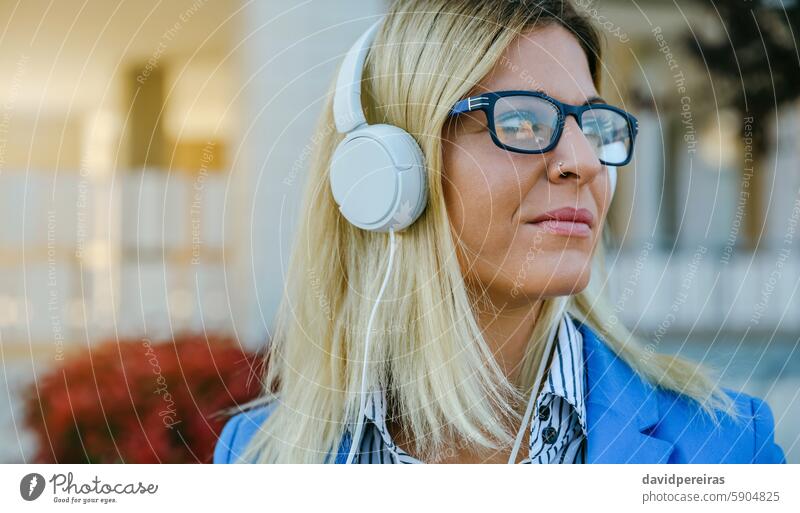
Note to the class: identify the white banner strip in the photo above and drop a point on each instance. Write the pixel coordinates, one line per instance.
(250, 488)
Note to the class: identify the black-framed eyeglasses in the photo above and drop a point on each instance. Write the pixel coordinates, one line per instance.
(532, 122)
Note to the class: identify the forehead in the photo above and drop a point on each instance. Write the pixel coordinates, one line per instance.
(549, 59)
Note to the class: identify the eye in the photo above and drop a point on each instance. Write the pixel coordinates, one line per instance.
(597, 125)
(523, 125)
(518, 119)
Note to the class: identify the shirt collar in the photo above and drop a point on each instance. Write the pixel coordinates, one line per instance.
(565, 378)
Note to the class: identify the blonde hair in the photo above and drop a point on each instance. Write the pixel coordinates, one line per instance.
(427, 349)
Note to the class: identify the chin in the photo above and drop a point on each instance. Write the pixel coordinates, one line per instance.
(559, 282)
(575, 286)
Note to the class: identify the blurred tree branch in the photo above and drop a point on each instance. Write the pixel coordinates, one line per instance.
(758, 62)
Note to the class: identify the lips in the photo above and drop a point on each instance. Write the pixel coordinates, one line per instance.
(566, 221)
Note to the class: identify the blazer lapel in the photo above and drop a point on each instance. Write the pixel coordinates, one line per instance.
(343, 451)
(621, 409)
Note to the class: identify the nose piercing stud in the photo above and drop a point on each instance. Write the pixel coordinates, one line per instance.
(560, 164)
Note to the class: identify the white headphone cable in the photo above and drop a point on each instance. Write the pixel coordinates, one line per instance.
(539, 374)
(356, 441)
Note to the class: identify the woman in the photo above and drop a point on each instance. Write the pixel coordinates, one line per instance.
(493, 332)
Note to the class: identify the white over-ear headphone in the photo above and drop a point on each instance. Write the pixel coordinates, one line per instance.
(377, 172)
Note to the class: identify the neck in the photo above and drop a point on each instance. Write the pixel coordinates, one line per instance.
(507, 331)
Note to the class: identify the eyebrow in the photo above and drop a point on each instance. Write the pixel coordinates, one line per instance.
(594, 99)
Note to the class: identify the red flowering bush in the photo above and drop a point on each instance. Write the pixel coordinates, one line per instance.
(140, 401)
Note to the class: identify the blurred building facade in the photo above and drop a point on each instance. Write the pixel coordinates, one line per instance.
(152, 156)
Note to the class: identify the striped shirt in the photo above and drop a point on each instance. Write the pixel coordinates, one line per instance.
(557, 427)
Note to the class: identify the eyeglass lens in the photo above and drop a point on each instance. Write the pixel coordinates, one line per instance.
(530, 123)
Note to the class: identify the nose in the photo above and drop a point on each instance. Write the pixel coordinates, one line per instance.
(576, 154)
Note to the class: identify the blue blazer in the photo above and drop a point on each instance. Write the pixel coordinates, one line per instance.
(628, 421)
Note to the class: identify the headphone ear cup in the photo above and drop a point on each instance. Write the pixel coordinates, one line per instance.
(378, 178)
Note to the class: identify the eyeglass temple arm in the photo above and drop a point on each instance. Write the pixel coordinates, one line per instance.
(469, 104)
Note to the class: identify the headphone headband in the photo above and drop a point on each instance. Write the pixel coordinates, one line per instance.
(347, 111)
(377, 172)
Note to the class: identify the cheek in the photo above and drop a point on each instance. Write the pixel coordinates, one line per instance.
(482, 192)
